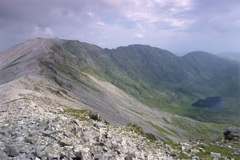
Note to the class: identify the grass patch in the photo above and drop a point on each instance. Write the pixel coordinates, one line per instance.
(10, 65)
(82, 115)
(15, 100)
(57, 93)
(136, 129)
(199, 130)
(165, 120)
(151, 137)
(139, 131)
(140, 113)
(76, 75)
(224, 151)
(161, 130)
(208, 147)
(173, 131)
(36, 89)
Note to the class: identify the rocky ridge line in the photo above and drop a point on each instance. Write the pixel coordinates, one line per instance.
(34, 130)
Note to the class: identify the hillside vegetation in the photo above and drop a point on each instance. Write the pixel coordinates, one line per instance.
(137, 84)
(162, 80)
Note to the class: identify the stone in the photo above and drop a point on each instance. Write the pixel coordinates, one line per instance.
(53, 156)
(11, 151)
(112, 158)
(47, 135)
(77, 152)
(2, 156)
(194, 151)
(236, 143)
(29, 140)
(232, 133)
(201, 149)
(236, 153)
(61, 110)
(97, 117)
(63, 154)
(41, 152)
(215, 155)
(3, 133)
(182, 148)
(66, 142)
(195, 158)
(130, 156)
(68, 133)
(224, 158)
(98, 156)
(22, 157)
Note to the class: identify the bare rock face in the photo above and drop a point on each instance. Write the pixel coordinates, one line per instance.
(34, 130)
(232, 134)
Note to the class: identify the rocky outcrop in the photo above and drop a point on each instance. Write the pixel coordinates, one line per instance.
(33, 130)
(36, 128)
(232, 134)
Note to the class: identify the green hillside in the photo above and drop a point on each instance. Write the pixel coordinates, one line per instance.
(162, 80)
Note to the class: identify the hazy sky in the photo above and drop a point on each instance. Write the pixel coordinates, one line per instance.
(180, 26)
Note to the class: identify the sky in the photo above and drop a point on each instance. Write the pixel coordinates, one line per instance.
(179, 26)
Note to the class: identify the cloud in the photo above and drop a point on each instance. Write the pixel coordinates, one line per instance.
(138, 35)
(178, 25)
(156, 10)
(48, 31)
(101, 23)
(45, 31)
(90, 14)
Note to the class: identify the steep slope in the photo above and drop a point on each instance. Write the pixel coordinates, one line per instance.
(36, 125)
(81, 75)
(221, 76)
(162, 80)
(33, 128)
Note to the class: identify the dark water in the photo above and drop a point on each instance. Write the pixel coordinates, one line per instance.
(214, 103)
(219, 106)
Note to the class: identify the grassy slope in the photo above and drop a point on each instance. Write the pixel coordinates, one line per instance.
(160, 79)
(72, 63)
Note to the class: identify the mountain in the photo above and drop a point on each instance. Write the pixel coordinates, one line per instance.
(164, 81)
(136, 84)
(235, 56)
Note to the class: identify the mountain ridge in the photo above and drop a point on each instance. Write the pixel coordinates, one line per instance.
(100, 80)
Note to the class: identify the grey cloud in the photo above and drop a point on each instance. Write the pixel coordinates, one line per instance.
(175, 25)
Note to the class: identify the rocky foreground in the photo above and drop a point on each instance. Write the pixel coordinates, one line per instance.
(33, 130)
(39, 128)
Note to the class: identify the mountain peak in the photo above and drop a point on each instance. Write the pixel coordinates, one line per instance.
(199, 53)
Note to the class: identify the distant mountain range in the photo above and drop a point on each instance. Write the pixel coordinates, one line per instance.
(136, 83)
(230, 55)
